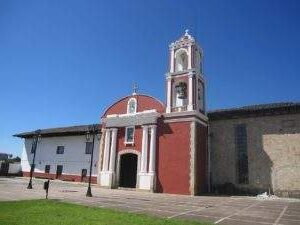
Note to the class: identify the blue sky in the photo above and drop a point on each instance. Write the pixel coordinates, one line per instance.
(63, 62)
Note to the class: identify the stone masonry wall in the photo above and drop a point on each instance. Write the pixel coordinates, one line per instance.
(273, 153)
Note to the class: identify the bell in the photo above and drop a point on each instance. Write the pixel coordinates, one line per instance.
(181, 90)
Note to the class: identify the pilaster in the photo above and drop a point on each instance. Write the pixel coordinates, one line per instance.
(106, 176)
(112, 161)
(169, 95)
(193, 158)
(191, 91)
(106, 150)
(147, 175)
(144, 150)
(152, 149)
(101, 149)
(190, 57)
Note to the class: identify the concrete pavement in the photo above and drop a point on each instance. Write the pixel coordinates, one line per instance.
(219, 210)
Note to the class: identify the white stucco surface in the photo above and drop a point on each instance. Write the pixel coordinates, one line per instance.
(73, 160)
(14, 168)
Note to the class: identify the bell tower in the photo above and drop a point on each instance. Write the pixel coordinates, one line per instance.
(185, 81)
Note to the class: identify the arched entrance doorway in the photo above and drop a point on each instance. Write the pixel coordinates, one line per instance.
(128, 170)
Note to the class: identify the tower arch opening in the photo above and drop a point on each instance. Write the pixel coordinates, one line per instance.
(180, 94)
(181, 60)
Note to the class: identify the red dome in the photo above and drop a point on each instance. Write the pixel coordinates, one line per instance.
(144, 102)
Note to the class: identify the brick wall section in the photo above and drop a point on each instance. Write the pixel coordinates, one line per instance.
(138, 136)
(273, 153)
(173, 158)
(64, 177)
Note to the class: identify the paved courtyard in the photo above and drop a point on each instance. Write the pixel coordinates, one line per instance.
(219, 210)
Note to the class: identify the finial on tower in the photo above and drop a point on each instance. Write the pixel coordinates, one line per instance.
(135, 88)
(187, 35)
(186, 32)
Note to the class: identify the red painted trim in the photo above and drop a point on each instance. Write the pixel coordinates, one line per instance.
(63, 177)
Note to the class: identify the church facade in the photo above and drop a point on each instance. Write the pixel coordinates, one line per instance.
(177, 147)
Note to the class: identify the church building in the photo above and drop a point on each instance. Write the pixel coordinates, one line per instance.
(176, 147)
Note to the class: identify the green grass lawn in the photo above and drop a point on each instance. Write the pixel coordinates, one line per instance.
(48, 212)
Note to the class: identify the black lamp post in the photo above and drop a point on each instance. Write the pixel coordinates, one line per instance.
(92, 130)
(36, 138)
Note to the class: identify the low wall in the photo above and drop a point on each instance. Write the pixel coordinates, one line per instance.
(14, 168)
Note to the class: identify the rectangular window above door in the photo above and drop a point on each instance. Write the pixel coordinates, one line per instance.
(129, 135)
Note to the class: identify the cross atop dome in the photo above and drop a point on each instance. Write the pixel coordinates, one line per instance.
(134, 89)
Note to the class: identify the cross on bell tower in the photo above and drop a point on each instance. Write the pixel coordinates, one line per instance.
(185, 80)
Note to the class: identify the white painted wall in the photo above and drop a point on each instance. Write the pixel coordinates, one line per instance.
(73, 160)
(14, 168)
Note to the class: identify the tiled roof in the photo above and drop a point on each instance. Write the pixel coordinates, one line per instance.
(255, 110)
(61, 131)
